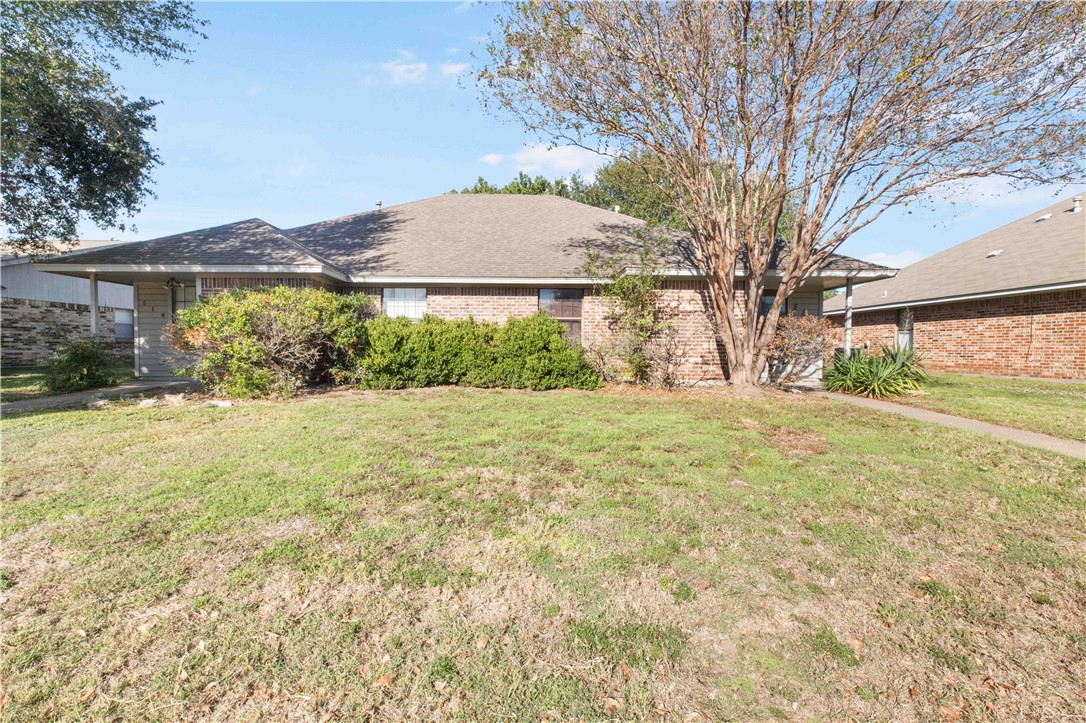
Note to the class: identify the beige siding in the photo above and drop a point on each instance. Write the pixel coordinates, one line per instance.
(806, 302)
(23, 282)
(152, 314)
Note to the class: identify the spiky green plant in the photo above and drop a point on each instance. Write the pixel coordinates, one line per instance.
(891, 373)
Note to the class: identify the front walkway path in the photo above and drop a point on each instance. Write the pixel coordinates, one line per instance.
(172, 385)
(1033, 439)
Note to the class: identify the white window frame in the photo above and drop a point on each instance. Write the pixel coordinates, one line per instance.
(117, 324)
(404, 301)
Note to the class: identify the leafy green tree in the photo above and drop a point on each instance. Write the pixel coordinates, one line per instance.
(74, 145)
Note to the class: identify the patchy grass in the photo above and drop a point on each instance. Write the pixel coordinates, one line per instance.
(1053, 408)
(482, 555)
(29, 382)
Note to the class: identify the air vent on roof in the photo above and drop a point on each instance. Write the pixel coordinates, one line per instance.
(993, 254)
(1043, 218)
(377, 204)
(1077, 201)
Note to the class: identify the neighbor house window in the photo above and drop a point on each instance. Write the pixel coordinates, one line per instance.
(183, 297)
(564, 305)
(410, 303)
(905, 318)
(767, 303)
(122, 323)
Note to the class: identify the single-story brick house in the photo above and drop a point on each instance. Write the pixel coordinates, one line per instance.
(1010, 302)
(40, 311)
(453, 256)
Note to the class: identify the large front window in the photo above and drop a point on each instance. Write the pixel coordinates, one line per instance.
(564, 305)
(410, 303)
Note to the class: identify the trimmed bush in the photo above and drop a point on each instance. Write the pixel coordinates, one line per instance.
(80, 364)
(527, 353)
(893, 372)
(272, 341)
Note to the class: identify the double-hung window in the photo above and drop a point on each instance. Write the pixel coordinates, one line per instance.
(122, 323)
(410, 303)
(767, 303)
(565, 306)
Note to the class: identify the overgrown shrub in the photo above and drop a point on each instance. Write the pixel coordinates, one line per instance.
(800, 342)
(80, 364)
(641, 340)
(272, 341)
(527, 353)
(892, 372)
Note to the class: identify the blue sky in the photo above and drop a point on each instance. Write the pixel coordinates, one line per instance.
(298, 112)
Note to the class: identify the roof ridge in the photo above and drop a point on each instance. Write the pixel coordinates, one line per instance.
(310, 252)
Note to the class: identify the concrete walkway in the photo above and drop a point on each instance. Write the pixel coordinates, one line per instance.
(1054, 444)
(173, 385)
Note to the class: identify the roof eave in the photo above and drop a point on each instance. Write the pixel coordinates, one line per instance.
(963, 297)
(85, 269)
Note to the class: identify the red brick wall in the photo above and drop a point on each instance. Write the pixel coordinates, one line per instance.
(1032, 335)
(686, 305)
(481, 303)
(32, 330)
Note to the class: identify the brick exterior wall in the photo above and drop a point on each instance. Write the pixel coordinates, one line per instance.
(30, 331)
(1032, 335)
(481, 303)
(217, 284)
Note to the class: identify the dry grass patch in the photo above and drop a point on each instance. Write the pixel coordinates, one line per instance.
(468, 555)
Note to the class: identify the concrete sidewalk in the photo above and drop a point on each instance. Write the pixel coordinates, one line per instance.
(1069, 447)
(173, 385)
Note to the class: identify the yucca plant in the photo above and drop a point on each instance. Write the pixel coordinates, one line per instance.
(893, 372)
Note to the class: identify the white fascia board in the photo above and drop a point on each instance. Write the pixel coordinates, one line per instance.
(572, 281)
(193, 269)
(471, 280)
(965, 297)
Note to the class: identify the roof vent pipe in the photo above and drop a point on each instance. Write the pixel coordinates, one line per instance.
(1078, 204)
(616, 209)
(378, 205)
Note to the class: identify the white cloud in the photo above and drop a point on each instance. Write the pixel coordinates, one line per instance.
(907, 257)
(254, 90)
(463, 7)
(454, 68)
(405, 54)
(492, 159)
(540, 158)
(400, 72)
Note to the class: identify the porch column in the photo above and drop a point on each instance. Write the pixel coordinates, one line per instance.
(848, 317)
(94, 304)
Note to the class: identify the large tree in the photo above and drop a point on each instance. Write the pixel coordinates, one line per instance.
(841, 110)
(74, 145)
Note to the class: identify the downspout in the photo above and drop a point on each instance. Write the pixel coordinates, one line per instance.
(848, 317)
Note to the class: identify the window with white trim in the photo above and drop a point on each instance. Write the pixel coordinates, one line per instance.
(122, 323)
(406, 302)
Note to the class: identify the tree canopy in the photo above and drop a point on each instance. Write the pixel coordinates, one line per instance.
(74, 145)
(841, 110)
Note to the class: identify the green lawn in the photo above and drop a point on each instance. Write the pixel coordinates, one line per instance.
(1054, 408)
(483, 555)
(29, 382)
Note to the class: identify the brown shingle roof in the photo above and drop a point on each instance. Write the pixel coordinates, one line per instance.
(251, 242)
(1032, 253)
(449, 236)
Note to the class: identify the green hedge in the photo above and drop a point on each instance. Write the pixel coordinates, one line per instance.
(77, 365)
(527, 353)
(255, 343)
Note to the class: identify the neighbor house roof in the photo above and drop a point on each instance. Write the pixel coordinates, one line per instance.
(455, 237)
(9, 257)
(1044, 250)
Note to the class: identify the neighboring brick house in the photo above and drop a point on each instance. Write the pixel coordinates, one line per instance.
(39, 311)
(453, 256)
(1010, 302)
